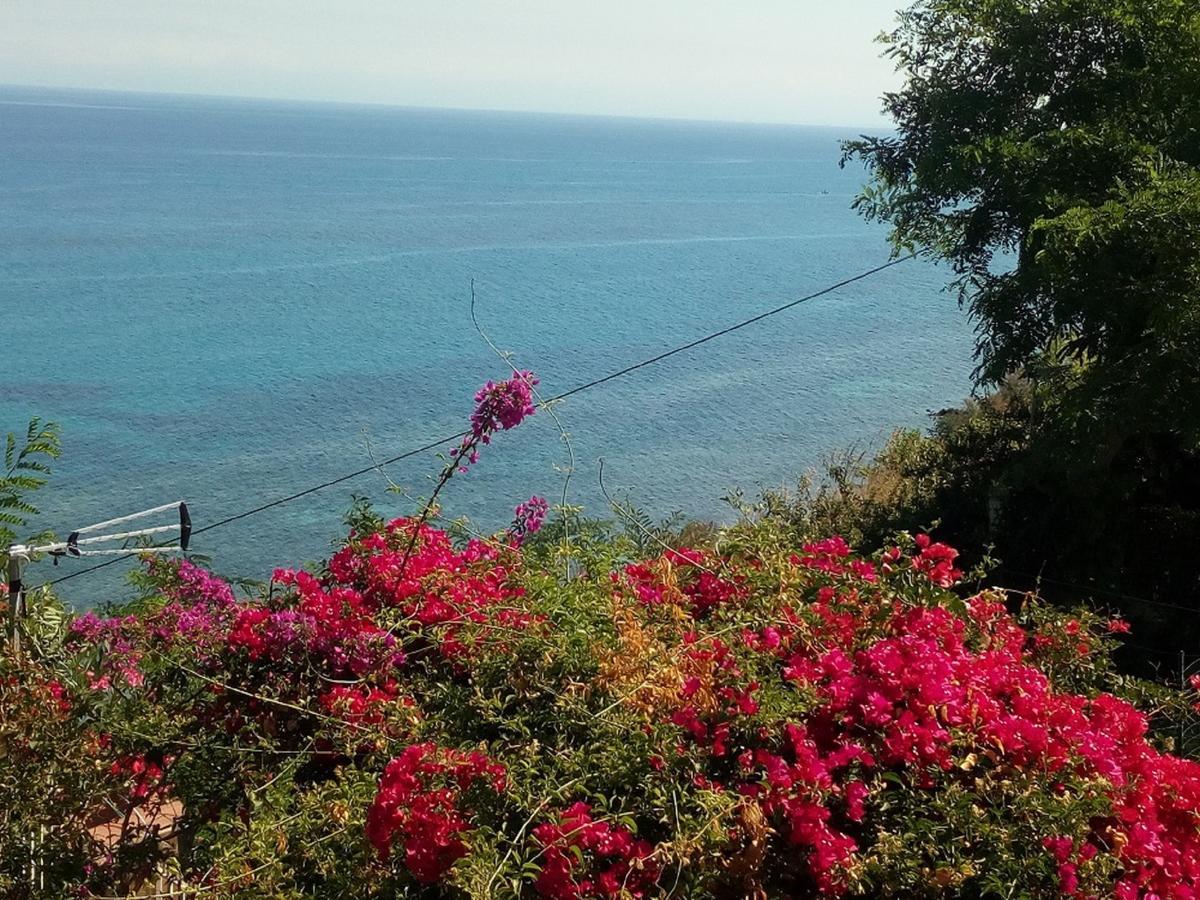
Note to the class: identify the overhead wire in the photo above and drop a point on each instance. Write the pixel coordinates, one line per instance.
(1096, 589)
(578, 389)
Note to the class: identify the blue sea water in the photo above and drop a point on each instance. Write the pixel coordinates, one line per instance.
(225, 301)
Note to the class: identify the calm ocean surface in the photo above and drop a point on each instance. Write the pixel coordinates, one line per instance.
(225, 301)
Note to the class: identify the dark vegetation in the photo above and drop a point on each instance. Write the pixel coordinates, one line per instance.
(1050, 153)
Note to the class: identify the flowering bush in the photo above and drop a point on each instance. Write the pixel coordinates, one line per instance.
(425, 819)
(619, 864)
(774, 720)
(768, 715)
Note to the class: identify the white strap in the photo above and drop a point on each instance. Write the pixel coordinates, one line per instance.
(128, 551)
(129, 518)
(124, 535)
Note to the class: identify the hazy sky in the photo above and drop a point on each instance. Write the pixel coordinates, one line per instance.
(809, 61)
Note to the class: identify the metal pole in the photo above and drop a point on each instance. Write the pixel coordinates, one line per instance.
(19, 554)
(16, 596)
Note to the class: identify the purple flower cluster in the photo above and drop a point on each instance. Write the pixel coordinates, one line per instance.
(501, 405)
(200, 585)
(119, 657)
(201, 610)
(528, 518)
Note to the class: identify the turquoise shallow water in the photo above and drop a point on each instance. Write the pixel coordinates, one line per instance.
(225, 301)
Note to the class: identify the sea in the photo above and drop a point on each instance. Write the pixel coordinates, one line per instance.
(227, 301)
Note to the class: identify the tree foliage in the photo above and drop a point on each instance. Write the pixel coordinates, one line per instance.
(26, 465)
(1048, 150)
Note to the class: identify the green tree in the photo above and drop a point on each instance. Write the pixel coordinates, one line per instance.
(1049, 152)
(1048, 149)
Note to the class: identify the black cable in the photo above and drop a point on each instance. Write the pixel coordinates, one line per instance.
(570, 393)
(742, 324)
(1096, 589)
(277, 502)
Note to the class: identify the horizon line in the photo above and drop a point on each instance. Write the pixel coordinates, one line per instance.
(430, 108)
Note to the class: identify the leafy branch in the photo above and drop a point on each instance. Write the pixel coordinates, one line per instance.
(26, 471)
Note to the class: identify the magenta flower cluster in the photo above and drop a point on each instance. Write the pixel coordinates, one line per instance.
(499, 406)
(528, 518)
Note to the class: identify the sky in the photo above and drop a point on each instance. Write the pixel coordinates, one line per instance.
(793, 61)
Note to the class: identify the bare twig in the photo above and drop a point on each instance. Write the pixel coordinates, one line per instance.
(564, 435)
